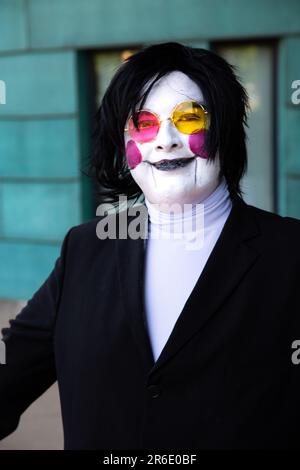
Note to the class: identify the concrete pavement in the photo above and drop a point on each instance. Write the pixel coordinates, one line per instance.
(40, 427)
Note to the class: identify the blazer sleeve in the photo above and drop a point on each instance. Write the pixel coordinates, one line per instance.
(29, 368)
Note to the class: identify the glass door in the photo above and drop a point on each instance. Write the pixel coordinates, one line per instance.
(255, 68)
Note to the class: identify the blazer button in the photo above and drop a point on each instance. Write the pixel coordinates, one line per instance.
(154, 391)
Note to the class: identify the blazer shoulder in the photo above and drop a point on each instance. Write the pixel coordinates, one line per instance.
(86, 235)
(84, 229)
(276, 224)
(83, 235)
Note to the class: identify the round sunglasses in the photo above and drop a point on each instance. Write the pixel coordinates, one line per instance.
(189, 117)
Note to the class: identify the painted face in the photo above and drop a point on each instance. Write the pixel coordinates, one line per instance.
(172, 167)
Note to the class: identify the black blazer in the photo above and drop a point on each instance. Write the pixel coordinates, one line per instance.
(225, 378)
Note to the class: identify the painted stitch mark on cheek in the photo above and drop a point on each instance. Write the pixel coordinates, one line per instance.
(196, 143)
(133, 155)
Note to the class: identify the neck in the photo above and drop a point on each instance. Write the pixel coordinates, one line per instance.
(205, 215)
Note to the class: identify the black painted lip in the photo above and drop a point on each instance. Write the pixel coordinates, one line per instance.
(166, 165)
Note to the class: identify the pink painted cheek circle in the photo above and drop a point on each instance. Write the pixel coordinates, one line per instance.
(196, 143)
(133, 155)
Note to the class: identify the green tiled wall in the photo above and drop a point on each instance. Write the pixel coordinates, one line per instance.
(292, 196)
(24, 266)
(288, 128)
(39, 83)
(40, 211)
(13, 29)
(40, 161)
(36, 148)
(44, 123)
(117, 22)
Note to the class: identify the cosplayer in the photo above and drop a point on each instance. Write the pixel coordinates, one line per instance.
(162, 342)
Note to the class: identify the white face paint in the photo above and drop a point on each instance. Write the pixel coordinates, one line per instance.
(187, 184)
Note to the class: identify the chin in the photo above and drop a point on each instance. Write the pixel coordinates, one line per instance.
(176, 197)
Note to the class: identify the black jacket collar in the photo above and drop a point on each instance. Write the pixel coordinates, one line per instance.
(228, 263)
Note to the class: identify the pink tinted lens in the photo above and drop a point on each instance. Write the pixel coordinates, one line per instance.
(148, 126)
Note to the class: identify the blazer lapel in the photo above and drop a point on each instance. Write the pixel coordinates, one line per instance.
(130, 260)
(228, 263)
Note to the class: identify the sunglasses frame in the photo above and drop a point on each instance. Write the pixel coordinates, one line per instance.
(170, 118)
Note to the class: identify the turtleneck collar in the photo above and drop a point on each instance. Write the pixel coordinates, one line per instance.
(210, 213)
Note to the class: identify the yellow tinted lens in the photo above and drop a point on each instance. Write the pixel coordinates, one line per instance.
(189, 117)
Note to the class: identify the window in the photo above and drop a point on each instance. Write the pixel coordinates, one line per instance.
(255, 68)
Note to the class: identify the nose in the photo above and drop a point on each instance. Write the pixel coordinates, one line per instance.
(167, 139)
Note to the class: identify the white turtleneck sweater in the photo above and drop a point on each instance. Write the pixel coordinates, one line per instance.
(173, 263)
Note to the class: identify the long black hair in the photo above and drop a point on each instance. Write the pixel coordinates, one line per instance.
(225, 97)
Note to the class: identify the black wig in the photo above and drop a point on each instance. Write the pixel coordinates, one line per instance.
(225, 97)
